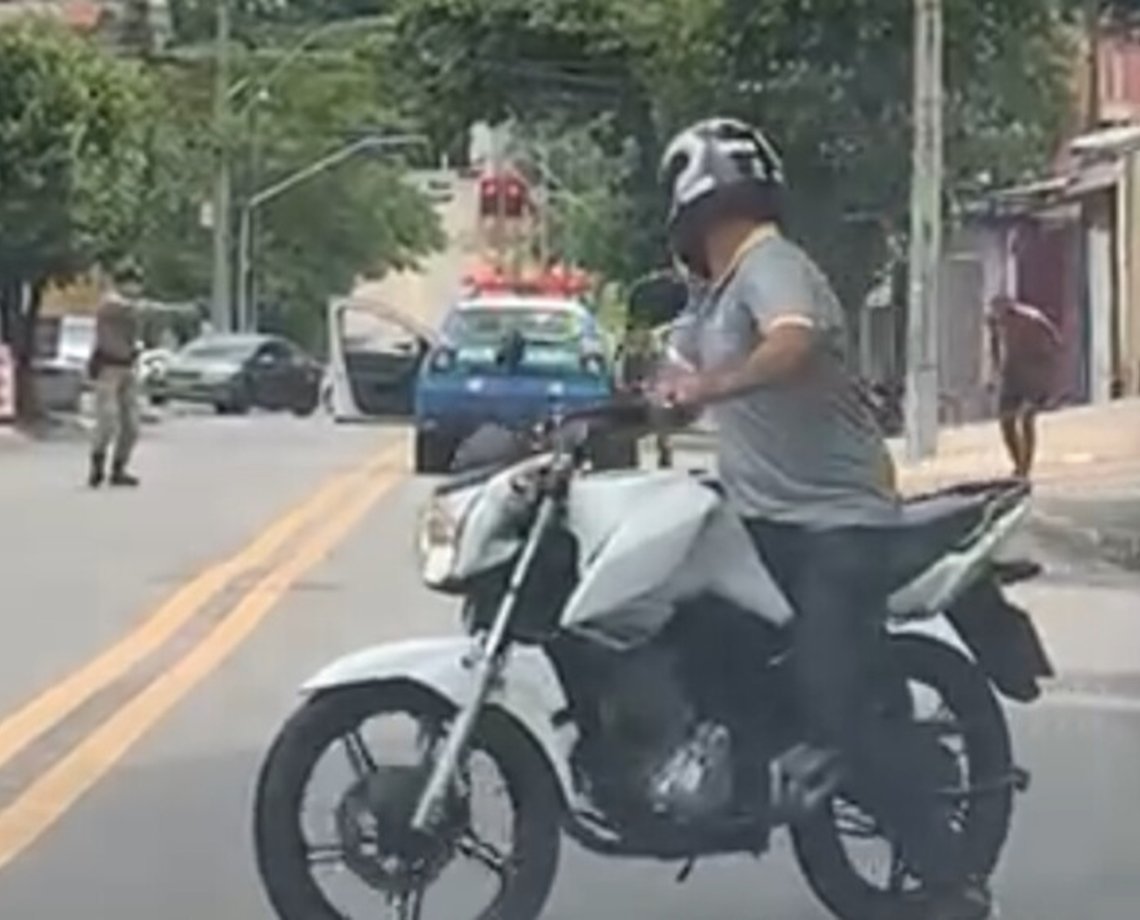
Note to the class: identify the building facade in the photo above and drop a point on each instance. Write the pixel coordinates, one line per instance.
(1068, 244)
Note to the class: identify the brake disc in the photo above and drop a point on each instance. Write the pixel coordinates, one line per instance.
(374, 824)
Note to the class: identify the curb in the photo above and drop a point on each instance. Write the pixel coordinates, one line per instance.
(10, 439)
(1116, 547)
(1113, 546)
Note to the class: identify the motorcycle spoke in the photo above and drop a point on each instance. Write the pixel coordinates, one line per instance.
(409, 905)
(899, 873)
(359, 757)
(324, 854)
(472, 847)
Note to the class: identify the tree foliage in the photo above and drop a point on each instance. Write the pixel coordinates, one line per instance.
(100, 159)
(194, 20)
(357, 218)
(830, 79)
(72, 163)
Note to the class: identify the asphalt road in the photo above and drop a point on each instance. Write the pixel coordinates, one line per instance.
(126, 791)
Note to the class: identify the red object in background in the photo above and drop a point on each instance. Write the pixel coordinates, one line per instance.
(555, 281)
(486, 279)
(504, 193)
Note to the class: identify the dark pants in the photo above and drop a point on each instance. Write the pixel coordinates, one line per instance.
(837, 583)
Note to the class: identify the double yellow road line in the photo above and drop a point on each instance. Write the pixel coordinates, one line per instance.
(309, 531)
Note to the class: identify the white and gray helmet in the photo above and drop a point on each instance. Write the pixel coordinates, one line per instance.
(718, 168)
(717, 154)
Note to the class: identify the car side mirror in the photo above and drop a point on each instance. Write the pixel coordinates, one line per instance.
(656, 300)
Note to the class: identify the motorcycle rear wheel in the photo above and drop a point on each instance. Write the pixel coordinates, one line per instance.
(283, 857)
(964, 690)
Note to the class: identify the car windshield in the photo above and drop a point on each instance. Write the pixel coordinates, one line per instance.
(220, 349)
(489, 325)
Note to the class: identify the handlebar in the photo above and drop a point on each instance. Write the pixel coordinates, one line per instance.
(565, 434)
(628, 412)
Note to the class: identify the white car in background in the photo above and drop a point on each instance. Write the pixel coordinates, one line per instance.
(151, 366)
(62, 349)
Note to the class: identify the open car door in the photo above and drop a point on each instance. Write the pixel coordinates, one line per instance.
(375, 353)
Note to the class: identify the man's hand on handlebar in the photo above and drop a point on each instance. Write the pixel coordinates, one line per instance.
(682, 389)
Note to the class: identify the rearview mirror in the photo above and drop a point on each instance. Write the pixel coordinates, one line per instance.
(656, 299)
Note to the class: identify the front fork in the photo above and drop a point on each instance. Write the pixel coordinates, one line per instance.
(486, 664)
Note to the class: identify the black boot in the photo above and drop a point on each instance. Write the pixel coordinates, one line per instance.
(120, 476)
(97, 474)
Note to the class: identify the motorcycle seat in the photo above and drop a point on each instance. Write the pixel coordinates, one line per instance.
(931, 525)
(964, 504)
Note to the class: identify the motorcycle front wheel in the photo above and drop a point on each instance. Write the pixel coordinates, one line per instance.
(973, 730)
(374, 844)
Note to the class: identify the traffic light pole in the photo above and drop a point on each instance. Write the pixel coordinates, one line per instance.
(925, 234)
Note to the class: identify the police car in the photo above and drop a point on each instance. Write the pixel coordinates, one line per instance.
(511, 360)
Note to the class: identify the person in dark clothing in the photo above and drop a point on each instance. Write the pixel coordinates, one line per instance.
(111, 368)
(1024, 345)
(803, 461)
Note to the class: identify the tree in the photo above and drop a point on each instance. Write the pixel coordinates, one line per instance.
(135, 28)
(831, 79)
(72, 160)
(1120, 11)
(193, 20)
(313, 241)
(585, 214)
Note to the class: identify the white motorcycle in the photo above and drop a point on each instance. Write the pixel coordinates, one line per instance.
(624, 670)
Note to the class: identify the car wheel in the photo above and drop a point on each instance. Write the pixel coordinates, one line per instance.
(239, 403)
(432, 453)
(308, 405)
(241, 400)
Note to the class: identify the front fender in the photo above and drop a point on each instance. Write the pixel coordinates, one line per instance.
(530, 692)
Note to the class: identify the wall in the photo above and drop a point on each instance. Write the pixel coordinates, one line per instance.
(79, 296)
(1049, 276)
(1119, 78)
(1129, 319)
(962, 300)
(1100, 252)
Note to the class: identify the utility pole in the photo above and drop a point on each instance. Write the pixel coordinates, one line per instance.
(501, 206)
(1092, 22)
(542, 155)
(221, 314)
(925, 233)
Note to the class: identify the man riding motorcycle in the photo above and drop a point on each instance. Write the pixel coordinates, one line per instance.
(802, 459)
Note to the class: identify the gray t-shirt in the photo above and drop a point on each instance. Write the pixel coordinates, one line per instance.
(806, 451)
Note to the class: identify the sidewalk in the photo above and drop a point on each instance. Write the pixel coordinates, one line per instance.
(1099, 442)
(10, 438)
(1087, 477)
(75, 428)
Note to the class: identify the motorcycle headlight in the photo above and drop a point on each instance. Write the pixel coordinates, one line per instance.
(437, 540)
